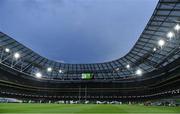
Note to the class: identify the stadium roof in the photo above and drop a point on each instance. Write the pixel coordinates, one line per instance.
(157, 46)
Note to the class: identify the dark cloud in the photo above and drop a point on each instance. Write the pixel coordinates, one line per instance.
(76, 31)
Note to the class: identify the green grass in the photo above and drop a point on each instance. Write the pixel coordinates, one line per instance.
(85, 108)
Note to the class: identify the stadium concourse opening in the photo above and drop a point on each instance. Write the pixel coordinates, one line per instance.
(148, 75)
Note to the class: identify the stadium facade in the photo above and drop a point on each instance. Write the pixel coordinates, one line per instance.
(150, 70)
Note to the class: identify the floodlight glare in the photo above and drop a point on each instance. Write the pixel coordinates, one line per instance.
(154, 49)
(177, 27)
(38, 75)
(49, 69)
(170, 35)
(7, 50)
(16, 55)
(139, 72)
(128, 66)
(60, 71)
(161, 42)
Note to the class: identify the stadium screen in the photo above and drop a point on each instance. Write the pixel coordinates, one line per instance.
(87, 76)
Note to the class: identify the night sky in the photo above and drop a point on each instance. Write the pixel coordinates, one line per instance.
(76, 31)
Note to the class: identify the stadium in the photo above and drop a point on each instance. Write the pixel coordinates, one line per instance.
(149, 74)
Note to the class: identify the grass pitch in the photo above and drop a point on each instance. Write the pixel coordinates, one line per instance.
(85, 109)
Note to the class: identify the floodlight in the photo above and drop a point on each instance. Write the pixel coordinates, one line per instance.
(170, 35)
(177, 27)
(49, 69)
(16, 55)
(154, 49)
(161, 42)
(60, 71)
(7, 50)
(128, 66)
(38, 75)
(139, 72)
(117, 69)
